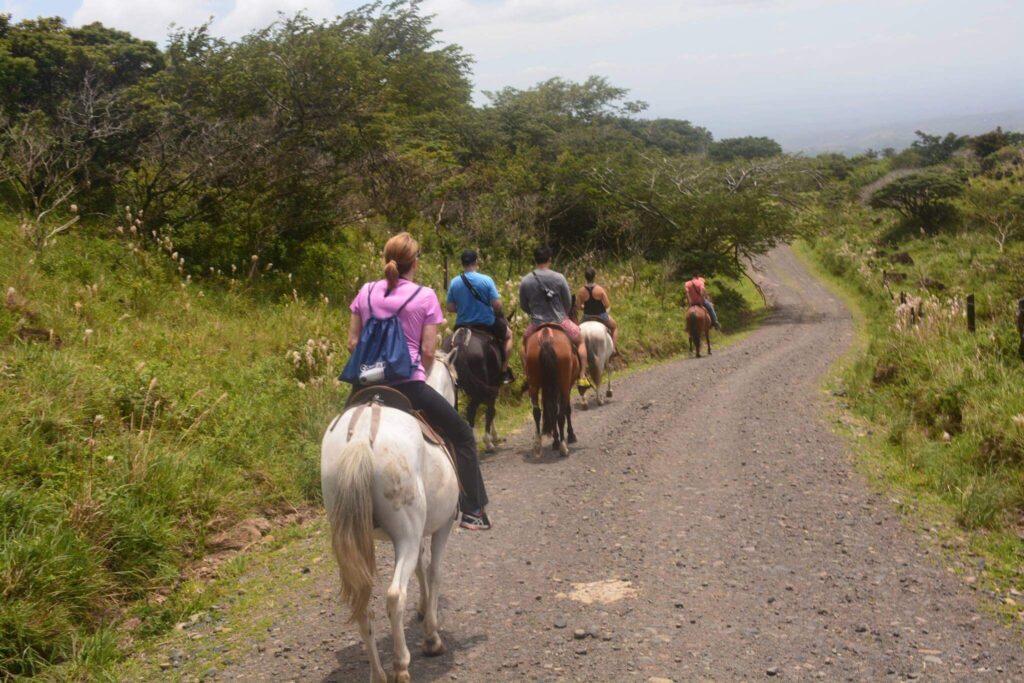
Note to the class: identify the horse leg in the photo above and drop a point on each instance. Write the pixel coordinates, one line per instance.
(474, 405)
(433, 646)
(421, 577)
(377, 674)
(568, 420)
(609, 393)
(707, 336)
(536, 421)
(489, 425)
(407, 552)
(562, 445)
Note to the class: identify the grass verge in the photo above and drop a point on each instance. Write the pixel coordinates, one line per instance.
(936, 414)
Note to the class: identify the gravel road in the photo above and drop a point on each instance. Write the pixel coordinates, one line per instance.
(708, 526)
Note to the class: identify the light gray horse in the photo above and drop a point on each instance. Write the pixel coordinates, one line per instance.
(600, 349)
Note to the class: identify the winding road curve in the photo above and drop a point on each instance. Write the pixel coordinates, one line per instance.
(717, 490)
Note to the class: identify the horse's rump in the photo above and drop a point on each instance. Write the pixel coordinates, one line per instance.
(597, 319)
(478, 363)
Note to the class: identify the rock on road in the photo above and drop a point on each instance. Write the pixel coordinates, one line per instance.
(715, 488)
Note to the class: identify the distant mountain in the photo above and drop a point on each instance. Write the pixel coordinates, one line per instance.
(897, 135)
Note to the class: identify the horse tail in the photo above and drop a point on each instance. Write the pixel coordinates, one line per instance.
(693, 328)
(351, 519)
(549, 387)
(592, 362)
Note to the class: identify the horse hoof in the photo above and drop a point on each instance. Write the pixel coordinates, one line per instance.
(400, 677)
(433, 648)
(609, 394)
(572, 438)
(585, 405)
(564, 449)
(555, 446)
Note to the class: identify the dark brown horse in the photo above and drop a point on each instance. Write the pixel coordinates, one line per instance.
(698, 323)
(552, 367)
(478, 367)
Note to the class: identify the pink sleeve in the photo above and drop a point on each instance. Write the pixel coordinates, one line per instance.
(432, 309)
(357, 303)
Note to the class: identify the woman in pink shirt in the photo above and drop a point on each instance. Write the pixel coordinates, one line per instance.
(698, 296)
(419, 312)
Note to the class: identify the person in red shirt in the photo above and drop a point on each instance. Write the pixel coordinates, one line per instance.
(697, 295)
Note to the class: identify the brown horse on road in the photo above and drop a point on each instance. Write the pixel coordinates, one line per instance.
(552, 367)
(698, 323)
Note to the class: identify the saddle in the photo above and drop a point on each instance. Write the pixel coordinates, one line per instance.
(375, 398)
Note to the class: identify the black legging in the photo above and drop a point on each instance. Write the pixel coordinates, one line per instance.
(445, 419)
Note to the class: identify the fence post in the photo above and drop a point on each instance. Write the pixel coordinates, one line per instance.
(1020, 326)
(970, 313)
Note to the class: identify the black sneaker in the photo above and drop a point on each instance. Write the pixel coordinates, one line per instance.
(508, 377)
(475, 522)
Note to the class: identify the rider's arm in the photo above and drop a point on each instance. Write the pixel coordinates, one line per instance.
(428, 346)
(355, 328)
(603, 298)
(450, 299)
(493, 295)
(566, 294)
(523, 301)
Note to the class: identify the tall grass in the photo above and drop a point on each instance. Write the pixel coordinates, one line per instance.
(165, 412)
(951, 404)
(165, 409)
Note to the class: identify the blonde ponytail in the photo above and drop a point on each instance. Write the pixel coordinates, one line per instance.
(400, 255)
(391, 273)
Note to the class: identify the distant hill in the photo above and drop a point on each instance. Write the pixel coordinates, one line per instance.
(897, 135)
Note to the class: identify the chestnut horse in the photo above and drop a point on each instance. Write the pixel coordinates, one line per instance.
(698, 323)
(552, 367)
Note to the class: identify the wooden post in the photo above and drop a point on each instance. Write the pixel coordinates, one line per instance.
(1020, 326)
(970, 313)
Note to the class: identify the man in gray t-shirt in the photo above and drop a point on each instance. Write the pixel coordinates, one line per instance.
(544, 295)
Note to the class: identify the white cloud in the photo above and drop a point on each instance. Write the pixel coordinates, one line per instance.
(247, 15)
(149, 19)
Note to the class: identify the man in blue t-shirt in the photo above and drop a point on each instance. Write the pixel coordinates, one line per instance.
(477, 303)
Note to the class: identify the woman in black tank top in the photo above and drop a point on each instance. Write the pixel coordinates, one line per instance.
(596, 308)
(592, 306)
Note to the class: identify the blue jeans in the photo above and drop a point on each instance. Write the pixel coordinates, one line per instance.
(711, 311)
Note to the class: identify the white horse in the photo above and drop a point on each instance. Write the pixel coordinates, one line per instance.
(401, 488)
(600, 349)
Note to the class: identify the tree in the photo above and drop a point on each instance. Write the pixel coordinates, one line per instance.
(674, 137)
(922, 198)
(44, 161)
(935, 149)
(749, 147)
(695, 214)
(996, 205)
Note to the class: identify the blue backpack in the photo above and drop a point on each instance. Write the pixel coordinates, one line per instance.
(382, 354)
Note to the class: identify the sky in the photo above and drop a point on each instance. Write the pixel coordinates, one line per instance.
(783, 68)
